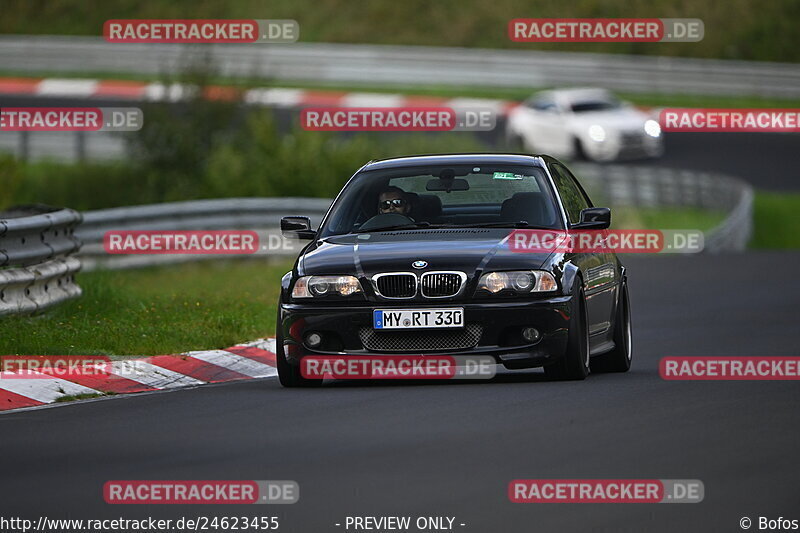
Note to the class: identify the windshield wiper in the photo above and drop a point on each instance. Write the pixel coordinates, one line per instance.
(506, 224)
(415, 225)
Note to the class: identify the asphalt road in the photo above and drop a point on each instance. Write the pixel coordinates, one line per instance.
(765, 160)
(450, 449)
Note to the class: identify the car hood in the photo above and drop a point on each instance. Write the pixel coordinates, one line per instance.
(626, 119)
(467, 250)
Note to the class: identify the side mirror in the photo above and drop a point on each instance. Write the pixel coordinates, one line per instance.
(297, 228)
(595, 218)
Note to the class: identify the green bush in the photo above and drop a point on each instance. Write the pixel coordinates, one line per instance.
(775, 221)
(736, 29)
(199, 159)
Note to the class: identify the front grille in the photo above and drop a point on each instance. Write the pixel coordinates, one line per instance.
(441, 284)
(632, 138)
(421, 341)
(400, 285)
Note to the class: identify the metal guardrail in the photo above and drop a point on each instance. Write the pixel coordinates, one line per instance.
(663, 187)
(72, 146)
(393, 65)
(37, 268)
(735, 231)
(260, 214)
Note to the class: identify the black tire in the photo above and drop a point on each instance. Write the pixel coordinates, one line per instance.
(578, 153)
(289, 375)
(574, 365)
(618, 359)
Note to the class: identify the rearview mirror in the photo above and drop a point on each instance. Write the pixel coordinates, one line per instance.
(594, 218)
(297, 228)
(447, 185)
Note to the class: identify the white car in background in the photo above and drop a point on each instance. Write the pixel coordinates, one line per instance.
(586, 122)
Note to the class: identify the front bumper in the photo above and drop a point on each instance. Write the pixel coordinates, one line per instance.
(622, 147)
(495, 328)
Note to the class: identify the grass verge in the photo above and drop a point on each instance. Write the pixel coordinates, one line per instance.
(775, 221)
(87, 396)
(673, 218)
(153, 311)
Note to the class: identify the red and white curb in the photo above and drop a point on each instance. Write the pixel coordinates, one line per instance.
(269, 96)
(244, 361)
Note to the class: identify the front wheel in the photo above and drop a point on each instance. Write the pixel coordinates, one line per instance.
(618, 359)
(575, 363)
(289, 375)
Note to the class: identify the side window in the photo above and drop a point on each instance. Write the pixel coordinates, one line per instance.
(543, 104)
(572, 197)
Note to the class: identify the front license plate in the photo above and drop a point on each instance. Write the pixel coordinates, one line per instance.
(418, 318)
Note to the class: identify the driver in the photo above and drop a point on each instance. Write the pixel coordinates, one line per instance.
(393, 200)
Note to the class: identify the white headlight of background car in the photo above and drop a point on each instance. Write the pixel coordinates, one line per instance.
(519, 281)
(320, 286)
(597, 133)
(652, 128)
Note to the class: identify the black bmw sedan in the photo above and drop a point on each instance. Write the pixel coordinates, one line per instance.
(414, 257)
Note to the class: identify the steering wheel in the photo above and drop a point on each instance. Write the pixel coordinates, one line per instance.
(386, 220)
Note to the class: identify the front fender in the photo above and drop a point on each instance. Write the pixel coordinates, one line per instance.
(286, 282)
(570, 273)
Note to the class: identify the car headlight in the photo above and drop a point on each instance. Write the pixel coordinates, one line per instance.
(518, 282)
(322, 286)
(652, 128)
(597, 133)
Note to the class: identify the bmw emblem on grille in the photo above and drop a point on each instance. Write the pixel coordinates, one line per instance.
(419, 264)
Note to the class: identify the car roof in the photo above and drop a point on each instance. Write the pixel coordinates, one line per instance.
(455, 159)
(577, 94)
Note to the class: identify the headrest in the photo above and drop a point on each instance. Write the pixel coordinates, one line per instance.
(426, 207)
(529, 206)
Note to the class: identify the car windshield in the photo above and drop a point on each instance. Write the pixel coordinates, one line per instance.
(595, 105)
(444, 196)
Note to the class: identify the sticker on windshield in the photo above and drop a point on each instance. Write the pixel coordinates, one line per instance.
(507, 176)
